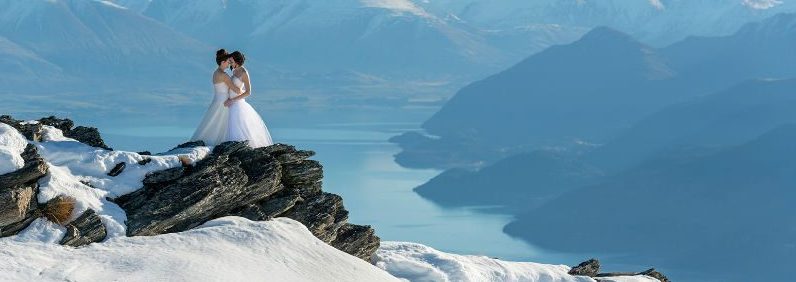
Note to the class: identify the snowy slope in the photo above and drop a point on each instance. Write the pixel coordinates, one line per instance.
(225, 249)
(417, 262)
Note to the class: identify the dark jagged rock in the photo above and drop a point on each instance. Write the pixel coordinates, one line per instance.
(87, 183)
(31, 131)
(269, 208)
(144, 161)
(615, 274)
(358, 240)
(259, 184)
(118, 169)
(216, 186)
(587, 268)
(190, 144)
(286, 153)
(591, 268)
(323, 215)
(64, 125)
(87, 135)
(84, 230)
(145, 153)
(18, 191)
(164, 176)
(655, 274)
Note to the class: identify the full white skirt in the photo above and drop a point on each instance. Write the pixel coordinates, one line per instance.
(246, 124)
(214, 126)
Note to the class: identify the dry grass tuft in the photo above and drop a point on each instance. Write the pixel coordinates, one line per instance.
(186, 162)
(59, 209)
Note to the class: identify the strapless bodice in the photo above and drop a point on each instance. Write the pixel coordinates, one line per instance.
(221, 92)
(239, 83)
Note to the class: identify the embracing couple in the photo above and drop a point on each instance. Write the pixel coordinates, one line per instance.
(230, 117)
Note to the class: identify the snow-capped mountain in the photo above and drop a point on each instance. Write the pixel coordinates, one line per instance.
(373, 36)
(657, 22)
(97, 39)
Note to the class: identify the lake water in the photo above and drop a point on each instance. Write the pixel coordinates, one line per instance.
(358, 165)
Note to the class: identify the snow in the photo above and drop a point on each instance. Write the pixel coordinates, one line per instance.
(225, 249)
(416, 262)
(12, 144)
(761, 4)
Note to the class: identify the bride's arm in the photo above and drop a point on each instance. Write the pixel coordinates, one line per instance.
(244, 76)
(226, 80)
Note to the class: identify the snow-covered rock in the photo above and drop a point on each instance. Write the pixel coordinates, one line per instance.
(225, 249)
(12, 144)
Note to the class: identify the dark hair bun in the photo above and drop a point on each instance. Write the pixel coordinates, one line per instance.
(221, 55)
(238, 57)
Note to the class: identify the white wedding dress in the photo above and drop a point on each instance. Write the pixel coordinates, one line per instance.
(245, 123)
(214, 126)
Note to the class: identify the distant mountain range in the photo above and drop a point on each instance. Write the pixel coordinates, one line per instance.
(702, 178)
(590, 91)
(657, 22)
(403, 47)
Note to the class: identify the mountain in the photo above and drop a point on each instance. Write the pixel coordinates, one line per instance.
(519, 182)
(386, 38)
(587, 90)
(727, 118)
(730, 211)
(757, 50)
(97, 40)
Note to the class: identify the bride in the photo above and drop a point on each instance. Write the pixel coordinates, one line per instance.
(214, 126)
(244, 122)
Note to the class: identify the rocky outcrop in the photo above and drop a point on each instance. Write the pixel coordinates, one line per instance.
(84, 230)
(33, 131)
(591, 268)
(259, 184)
(18, 190)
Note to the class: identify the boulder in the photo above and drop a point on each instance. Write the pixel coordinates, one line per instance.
(18, 193)
(84, 230)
